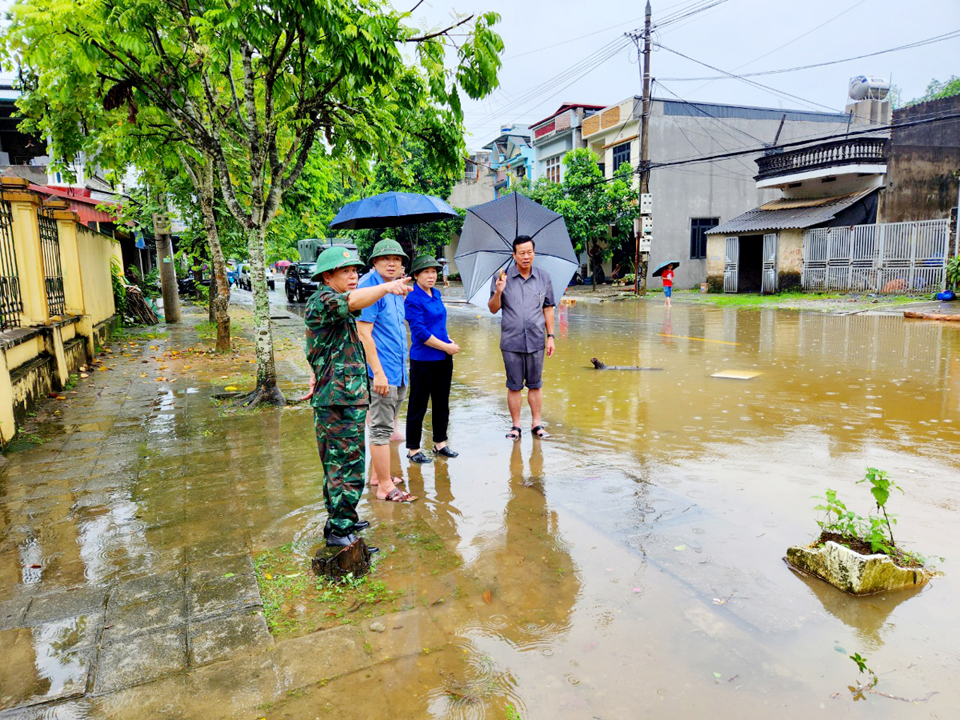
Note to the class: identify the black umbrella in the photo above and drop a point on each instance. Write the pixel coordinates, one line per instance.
(486, 244)
(663, 266)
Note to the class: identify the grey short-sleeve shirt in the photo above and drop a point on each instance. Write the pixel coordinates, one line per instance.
(523, 328)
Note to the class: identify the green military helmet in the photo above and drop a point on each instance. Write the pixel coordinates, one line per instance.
(388, 246)
(334, 258)
(422, 263)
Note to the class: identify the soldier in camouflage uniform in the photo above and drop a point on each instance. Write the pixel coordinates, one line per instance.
(342, 393)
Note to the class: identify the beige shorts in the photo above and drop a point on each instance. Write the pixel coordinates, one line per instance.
(382, 413)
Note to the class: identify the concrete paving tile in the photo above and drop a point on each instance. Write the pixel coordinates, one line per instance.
(167, 697)
(81, 601)
(218, 639)
(144, 615)
(217, 567)
(12, 611)
(320, 656)
(225, 595)
(45, 663)
(145, 587)
(140, 659)
(211, 543)
(70, 710)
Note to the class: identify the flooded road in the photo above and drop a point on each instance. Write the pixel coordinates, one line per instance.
(630, 566)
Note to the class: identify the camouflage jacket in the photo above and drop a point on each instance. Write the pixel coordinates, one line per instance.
(334, 351)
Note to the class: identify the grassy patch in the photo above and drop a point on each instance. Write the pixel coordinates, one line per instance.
(206, 330)
(791, 299)
(296, 602)
(24, 441)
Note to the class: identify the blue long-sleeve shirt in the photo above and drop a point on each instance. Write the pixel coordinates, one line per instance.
(426, 316)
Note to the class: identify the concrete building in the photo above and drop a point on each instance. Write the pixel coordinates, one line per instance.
(689, 200)
(555, 136)
(476, 188)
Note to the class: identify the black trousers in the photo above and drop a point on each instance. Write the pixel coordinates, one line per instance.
(429, 381)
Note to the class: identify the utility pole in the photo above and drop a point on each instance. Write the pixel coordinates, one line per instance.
(643, 254)
(168, 272)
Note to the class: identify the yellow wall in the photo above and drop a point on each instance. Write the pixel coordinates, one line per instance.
(96, 252)
(85, 258)
(790, 251)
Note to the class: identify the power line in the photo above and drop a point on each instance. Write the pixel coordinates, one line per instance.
(753, 83)
(920, 43)
(567, 42)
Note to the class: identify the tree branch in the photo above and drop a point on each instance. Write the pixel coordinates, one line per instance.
(422, 38)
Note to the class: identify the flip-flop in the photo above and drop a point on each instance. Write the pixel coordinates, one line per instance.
(539, 432)
(399, 496)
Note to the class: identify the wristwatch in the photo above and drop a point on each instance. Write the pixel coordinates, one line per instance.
(551, 335)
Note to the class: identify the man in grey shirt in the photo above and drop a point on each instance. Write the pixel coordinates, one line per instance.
(525, 294)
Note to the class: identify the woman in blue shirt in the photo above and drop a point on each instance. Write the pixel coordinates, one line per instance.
(431, 361)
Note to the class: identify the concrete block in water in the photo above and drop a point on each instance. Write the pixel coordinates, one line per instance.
(852, 572)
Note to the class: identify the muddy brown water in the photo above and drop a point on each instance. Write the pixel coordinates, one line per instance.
(630, 566)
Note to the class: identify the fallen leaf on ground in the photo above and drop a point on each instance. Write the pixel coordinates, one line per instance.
(487, 597)
(229, 388)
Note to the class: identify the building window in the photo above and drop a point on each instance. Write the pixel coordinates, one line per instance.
(603, 169)
(621, 154)
(553, 169)
(698, 236)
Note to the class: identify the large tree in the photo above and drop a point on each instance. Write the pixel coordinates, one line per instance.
(247, 87)
(599, 212)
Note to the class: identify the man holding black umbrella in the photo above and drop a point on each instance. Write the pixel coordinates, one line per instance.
(525, 295)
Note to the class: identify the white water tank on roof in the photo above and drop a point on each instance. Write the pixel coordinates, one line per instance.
(863, 87)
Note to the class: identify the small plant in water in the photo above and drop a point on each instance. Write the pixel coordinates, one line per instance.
(860, 687)
(875, 531)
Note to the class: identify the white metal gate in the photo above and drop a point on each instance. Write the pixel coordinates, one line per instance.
(905, 257)
(731, 265)
(768, 282)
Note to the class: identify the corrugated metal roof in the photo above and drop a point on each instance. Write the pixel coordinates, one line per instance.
(785, 214)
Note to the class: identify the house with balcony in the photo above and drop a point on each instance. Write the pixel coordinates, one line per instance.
(556, 135)
(868, 212)
(511, 157)
(829, 184)
(689, 200)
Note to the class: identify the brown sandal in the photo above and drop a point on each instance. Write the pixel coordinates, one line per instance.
(399, 496)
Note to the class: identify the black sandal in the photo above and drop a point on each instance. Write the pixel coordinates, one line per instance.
(514, 433)
(419, 458)
(539, 432)
(445, 452)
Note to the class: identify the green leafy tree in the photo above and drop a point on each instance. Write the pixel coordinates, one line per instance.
(411, 169)
(599, 213)
(243, 89)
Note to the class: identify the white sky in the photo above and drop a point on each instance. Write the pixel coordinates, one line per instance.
(735, 36)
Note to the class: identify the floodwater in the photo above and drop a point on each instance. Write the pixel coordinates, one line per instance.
(630, 566)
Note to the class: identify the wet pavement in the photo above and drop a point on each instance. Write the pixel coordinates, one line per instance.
(629, 566)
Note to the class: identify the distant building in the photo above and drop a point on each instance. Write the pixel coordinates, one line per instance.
(689, 200)
(555, 136)
(865, 210)
(511, 157)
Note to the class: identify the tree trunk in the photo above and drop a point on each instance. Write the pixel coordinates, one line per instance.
(220, 287)
(266, 392)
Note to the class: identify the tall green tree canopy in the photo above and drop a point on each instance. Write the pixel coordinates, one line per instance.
(245, 88)
(591, 205)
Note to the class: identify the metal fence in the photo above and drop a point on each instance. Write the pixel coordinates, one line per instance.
(52, 275)
(898, 258)
(11, 302)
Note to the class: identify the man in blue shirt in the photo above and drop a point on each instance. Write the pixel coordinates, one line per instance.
(384, 337)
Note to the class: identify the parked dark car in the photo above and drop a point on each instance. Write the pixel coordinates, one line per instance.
(299, 286)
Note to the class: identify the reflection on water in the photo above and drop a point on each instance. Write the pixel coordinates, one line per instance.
(630, 566)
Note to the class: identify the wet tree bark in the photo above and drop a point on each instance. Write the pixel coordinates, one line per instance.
(219, 300)
(337, 563)
(266, 392)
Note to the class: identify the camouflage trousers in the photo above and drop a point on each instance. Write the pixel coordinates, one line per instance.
(339, 431)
